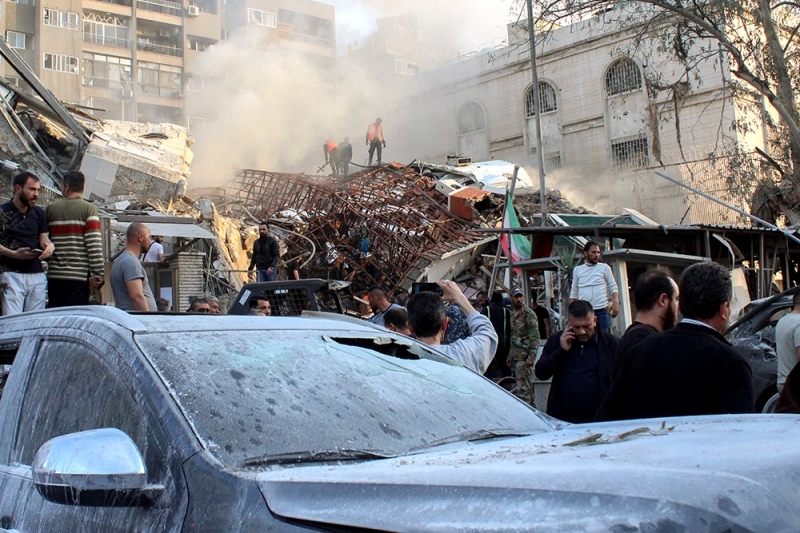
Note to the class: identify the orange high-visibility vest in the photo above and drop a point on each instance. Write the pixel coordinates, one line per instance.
(375, 131)
(330, 145)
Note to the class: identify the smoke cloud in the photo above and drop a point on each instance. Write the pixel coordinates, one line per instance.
(270, 110)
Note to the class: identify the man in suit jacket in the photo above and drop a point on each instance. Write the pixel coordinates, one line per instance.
(690, 369)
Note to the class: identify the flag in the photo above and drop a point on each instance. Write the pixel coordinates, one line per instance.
(519, 247)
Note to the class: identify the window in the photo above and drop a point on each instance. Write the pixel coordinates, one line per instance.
(195, 124)
(622, 77)
(195, 82)
(314, 28)
(547, 100)
(61, 63)
(24, 2)
(162, 80)
(16, 40)
(223, 34)
(107, 71)
(8, 352)
(72, 389)
(630, 154)
(552, 161)
(262, 18)
(199, 45)
(470, 118)
(105, 29)
(61, 19)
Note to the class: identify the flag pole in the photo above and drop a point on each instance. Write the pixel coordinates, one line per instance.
(510, 200)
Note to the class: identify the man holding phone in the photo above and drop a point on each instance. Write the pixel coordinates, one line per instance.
(23, 244)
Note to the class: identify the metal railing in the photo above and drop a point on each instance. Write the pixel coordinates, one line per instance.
(106, 41)
(92, 81)
(146, 46)
(118, 2)
(167, 92)
(161, 6)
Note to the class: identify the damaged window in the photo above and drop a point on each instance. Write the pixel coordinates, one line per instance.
(262, 18)
(106, 71)
(60, 63)
(163, 80)
(265, 393)
(547, 100)
(470, 118)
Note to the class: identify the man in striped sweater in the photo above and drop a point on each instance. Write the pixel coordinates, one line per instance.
(78, 259)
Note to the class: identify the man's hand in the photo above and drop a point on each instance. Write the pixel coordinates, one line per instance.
(97, 282)
(251, 275)
(24, 254)
(366, 142)
(530, 360)
(614, 309)
(566, 339)
(451, 293)
(269, 270)
(48, 250)
(384, 144)
(509, 362)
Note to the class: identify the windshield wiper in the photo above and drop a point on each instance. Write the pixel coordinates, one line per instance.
(342, 454)
(471, 436)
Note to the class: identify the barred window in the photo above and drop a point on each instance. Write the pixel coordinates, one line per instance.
(552, 160)
(470, 118)
(630, 154)
(623, 76)
(547, 100)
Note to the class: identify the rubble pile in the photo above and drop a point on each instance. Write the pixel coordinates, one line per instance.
(529, 203)
(386, 225)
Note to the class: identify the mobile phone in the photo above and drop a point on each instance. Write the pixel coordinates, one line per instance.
(37, 250)
(426, 286)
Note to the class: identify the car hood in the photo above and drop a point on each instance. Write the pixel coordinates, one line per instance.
(681, 474)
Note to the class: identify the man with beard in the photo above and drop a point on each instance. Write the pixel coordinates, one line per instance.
(593, 282)
(524, 345)
(656, 298)
(379, 304)
(266, 253)
(580, 360)
(690, 369)
(23, 244)
(129, 282)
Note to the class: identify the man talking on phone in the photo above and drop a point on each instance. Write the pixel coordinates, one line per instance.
(580, 360)
(23, 245)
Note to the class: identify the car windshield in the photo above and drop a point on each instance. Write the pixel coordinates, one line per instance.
(254, 395)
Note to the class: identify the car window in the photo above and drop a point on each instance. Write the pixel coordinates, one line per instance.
(260, 393)
(766, 328)
(72, 389)
(8, 351)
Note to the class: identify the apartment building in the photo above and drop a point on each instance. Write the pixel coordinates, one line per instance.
(132, 59)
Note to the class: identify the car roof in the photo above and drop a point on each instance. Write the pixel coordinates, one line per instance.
(169, 322)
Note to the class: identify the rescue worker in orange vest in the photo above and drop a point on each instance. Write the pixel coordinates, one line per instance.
(375, 140)
(331, 150)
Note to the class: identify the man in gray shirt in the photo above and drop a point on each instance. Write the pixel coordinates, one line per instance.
(428, 322)
(129, 282)
(787, 340)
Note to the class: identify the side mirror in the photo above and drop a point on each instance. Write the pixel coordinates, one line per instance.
(96, 468)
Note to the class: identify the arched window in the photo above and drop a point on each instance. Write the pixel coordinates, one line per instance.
(623, 76)
(547, 100)
(470, 118)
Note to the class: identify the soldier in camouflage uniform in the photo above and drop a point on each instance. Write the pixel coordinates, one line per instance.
(524, 345)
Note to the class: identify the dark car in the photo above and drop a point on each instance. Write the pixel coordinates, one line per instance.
(753, 335)
(117, 422)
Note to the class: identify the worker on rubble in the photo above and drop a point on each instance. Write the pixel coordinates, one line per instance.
(332, 156)
(375, 140)
(266, 253)
(345, 156)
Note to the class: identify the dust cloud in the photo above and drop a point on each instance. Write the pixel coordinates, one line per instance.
(268, 109)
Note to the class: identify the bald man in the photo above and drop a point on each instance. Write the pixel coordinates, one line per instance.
(129, 282)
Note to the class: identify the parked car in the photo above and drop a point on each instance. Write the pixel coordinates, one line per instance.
(753, 335)
(118, 422)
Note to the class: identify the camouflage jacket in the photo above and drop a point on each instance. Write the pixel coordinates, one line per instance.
(524, 334)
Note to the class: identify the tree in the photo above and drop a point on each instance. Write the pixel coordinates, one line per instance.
(761, 45)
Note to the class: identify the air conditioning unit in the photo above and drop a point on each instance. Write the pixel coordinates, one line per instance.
(192, 11)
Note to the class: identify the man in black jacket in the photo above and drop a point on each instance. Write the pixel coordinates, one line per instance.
(500, 317)
(580, 360)
(690, 369)
(266, 253)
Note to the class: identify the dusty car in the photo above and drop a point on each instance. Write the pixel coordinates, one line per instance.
(753, 335)
(117, 422)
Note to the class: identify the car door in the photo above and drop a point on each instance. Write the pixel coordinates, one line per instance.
(75, 385)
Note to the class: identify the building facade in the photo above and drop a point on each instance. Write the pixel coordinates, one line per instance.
(611, 115)
(133, 59)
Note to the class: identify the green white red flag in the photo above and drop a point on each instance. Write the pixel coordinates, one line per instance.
(518, 247)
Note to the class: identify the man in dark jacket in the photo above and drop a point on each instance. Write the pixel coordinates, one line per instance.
(500, 317)
(580, 360)
(345, 156)
(266, 253)
(690, 369)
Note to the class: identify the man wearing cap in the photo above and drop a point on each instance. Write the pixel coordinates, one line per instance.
(524, 345)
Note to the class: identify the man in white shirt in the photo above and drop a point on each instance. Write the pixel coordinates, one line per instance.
(156, 252)
(787, 341)
(592, 281)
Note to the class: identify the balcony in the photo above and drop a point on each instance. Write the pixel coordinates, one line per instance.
(118, 2)
(169, 50)
(161, 6)
(104, 40)
(103, 83)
